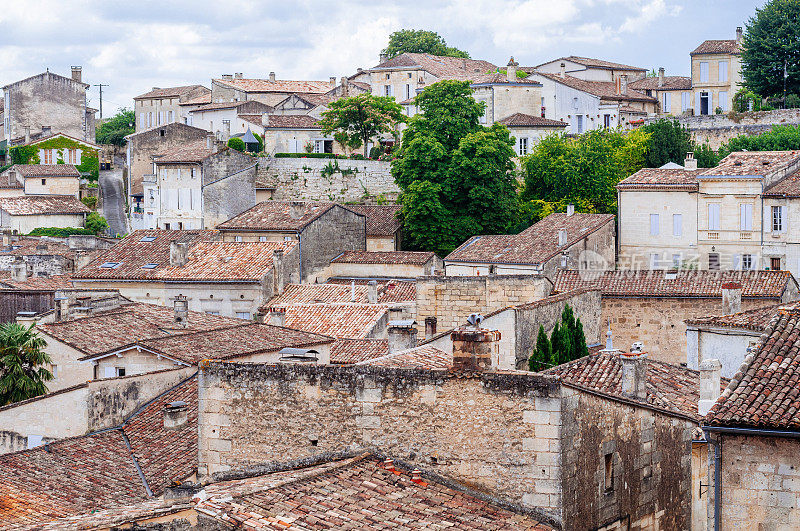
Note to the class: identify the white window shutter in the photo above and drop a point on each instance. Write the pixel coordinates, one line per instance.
(109, 372)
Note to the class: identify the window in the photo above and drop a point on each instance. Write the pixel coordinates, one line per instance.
(579, 125)
(71, 156)
(142, 121)
(243, 315)
(409, 75)
(713, 261)
(237, 238)
(262, 238)
(655, 259)
(676, 261)
(723, 100)
(713, 216)
(677, 225)
(704, 72)
(119, 371)
(287, 238)
(686, 101)
(574, 103)
(149, 266)
(171, 117)
(609, 475)
(523, 146)
(723, 71)
(48, 156)
(212, 312)
(387, 76)
(747, 262)
(387, 90)
(777, 219)
(408, 92)
(653, 224)
(44, 182)
(110, 265)
(775, 264)
(745, 217)
(54, 370)
(665, 102)
(606, 120)
(148, 239)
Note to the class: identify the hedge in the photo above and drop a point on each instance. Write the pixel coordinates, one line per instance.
(58, 232)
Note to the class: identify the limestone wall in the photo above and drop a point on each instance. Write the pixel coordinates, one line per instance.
(339, 180)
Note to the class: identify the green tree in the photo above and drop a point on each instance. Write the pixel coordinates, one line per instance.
(669, 142)
(468, 166)
(542, 354)
(420, 41)
(96, 223)
(22, 358)
(772, 40)
(567, 342)
(354, 121)
(237, 144)
(114, 130)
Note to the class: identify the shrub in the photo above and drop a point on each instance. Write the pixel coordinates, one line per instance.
(95, 223)
(308, 147)
(237, 144)
(90, 201)
(375, 152)
(792, 101)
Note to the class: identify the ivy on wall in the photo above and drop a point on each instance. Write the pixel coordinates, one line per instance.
(90, 161)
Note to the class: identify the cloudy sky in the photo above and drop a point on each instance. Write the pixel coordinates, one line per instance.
(134, 46)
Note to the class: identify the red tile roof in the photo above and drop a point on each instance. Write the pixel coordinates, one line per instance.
(756, 319)
(384, 257)
(31, 245)
(669, 387)
(765, 392)
(597, 63)
(718, 46)
(422, 357)
(390, 290)
(289, 121)
(280, 85)
(754, 163)
(526, 120)
(605, 90)
(349, 351)
(382, 220)
(199, 100)
(47, 170)
(35, 205)
(682, 284)
(661, 179)
(194, 151)
(171, 92)
(535, 245)
(51, 283)
(441, 67)
(277, 216)
(342, 291)
(500, 78)
(345, 320)
(786, 187)
(9, 181)
(670, 83)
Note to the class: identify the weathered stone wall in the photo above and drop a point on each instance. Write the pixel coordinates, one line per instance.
(452, 299)
(300, 178)
(328, 236)
(40, 264)
(228, 186)
(499, 432)
(596, 252)
(760, 482)
(651, 460)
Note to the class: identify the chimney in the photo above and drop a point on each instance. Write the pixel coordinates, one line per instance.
(562, 237)
(710, 371)
(227, 77)
(62, 306)
(76, 74)
(6, 238)
(47, 130)
(475, 349)
(511, 71)
(382, 58)
(178, 254)
(661, 76)
(430, 327)
(175, 415)
(278, 280)
(402, 335)
(353, 290)
(624, 83)
(19, 270)
(181, 311)
(563, 72)
(739, 34)
(260, 316)
(345, 85)
(210, 138)
(372, 292)
(27, 130)
(237, 75)
(690, 163)
(181, 492)
(272, 77)
(731, 298)
(26, 318)
(570, 209)
(634, 373)
(277, 316)
(296, 209)
(332, 81)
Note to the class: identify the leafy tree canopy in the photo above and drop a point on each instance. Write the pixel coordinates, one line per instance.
(22, 360)
(420, 41)
(114, 130)
(354, 121)
(772, 40)
(96, 223)
(669, 142)
(236, 143)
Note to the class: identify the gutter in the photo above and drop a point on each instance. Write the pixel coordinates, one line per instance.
(136, 464)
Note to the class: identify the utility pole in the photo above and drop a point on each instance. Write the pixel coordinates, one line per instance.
(101, 85)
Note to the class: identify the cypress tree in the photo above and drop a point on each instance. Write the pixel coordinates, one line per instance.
(540, 359)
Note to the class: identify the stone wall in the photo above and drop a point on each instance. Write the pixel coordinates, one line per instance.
(452, 299)
(651, 459)
(228, 186)
(41, 264)
(760, 482)
(336, 231)
(311, 179)
(497, 432)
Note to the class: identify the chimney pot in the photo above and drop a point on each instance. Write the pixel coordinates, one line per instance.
(332, 81)
(511, 70)
(402, 335)
(731, 298)
(738, 34)
(352, 291)
(570, 209)
(181, 311)
(272, 77)
(178, 254)
(430, 327)
(388, 464)
(563, 71)
(237, 75)
(416, 475)
(210, 138)
(475, 349)
(372, 292)
(690, 163)
(265, 119)
(175, 415)
(19, 270)
(634, 373)
(624, 83)
(6, 238)
(710, 371)
(76, 74)
(296, 209)
(661, 77)
(227, 77)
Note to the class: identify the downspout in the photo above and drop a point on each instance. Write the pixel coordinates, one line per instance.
(717, 486)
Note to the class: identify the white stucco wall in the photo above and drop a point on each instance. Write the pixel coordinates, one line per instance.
(729, 346)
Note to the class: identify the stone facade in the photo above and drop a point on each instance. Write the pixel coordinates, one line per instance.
(728, 345)
(452, 299)
(327, 180)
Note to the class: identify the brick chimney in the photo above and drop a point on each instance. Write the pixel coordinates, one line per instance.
(634, 373)
(345, 86)
(710, 371)
(62, 306)
(739, 34)
(278, 279)
(690, 163)
(237, 75)
(430, 327)
(175, 415)
(332, 81)
(511, 70)
(402, 335)
(474, 348)
(76, 74)
(178, 254)
(19, 270)
(272, 77)
(661, 76)
(181, 311)
(623, 83)
(563, 71)
(210, 138)
(731, 298)
(372, 292)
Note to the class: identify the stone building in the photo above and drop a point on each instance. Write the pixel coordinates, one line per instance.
(384, 227)
(161, 106)
(527, 130)
(47, 103)
(560, 241)
(293, 133)
(674, 93)
(384, 264)
(270, 91)
(229, 119)
(43, 179)
(322, 230)
(753, 475)
(716, 74)
(652, 306)
(25, 213)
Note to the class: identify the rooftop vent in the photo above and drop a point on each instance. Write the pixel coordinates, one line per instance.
(175, 415)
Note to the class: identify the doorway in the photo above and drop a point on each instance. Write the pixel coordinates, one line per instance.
(705, 103)
(775, 264)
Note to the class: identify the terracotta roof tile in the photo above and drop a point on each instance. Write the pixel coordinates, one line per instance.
(35, 205)
(787, 187)
(47, 170)
(171, 92)
(8, 181)
(194, 151)
(535, 245)
(348, 351)
(526, 120)
(499, 78)
(277, 216)
(441, 67)
(718, 46)
(30, 245)
(598, 63)
(343, 320)
(682, 284)
(51, 283)
(765, 392)
(670, 83)
(756, 319)
(661, 178)
(382, 220)
(199, 100)
(289, 121)
(384, 257)
(422, 357)
(605, 90)
(280, 85)
(341, 291)
(754, 163)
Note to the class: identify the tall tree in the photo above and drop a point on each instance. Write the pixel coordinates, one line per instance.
(772, 40)
(420, 41)
(356, 120)
(567, 342)
(542, 354)
(22, 360)
(114, 130)
(669, 142)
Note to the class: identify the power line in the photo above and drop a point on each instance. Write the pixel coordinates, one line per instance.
(101, 85)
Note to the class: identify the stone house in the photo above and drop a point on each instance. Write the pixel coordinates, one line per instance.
(47, 103)
(322, 231)
(527, 130)
(674, 93)
(316, 104)
(384, 264)
(589, 69)
(295, 133)
(753, 476)
(199, 185)
(229, 119)
(716, 74)
(269, 91)
(162, 106)
(560, 241)
(737, 215)
(384, 227)
(25, 213)
(224, 278)
(43, 179)
(60, 148)
(652, 306)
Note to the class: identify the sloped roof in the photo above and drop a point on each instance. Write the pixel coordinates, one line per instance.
(596, 63)
(279, 85)
(441, 67)
(535, 245)
(499, 78)
(36, 205)
(787, 187)
(526, 120)
(289, 121)
(384, 257)
(277, 216)
(680, 284)
(661, 179)
(47, 170)
(32, 245)
(170, 92)
(421, 357)
(382, 220)
(670, 83)
(50, 283)
(342, 320)
(753, 163)
(731, 46)
(765, 392)
(349, 351)
(194, 151)
(756, 319)
(44, 138)
(342, 291)
(605, 90)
